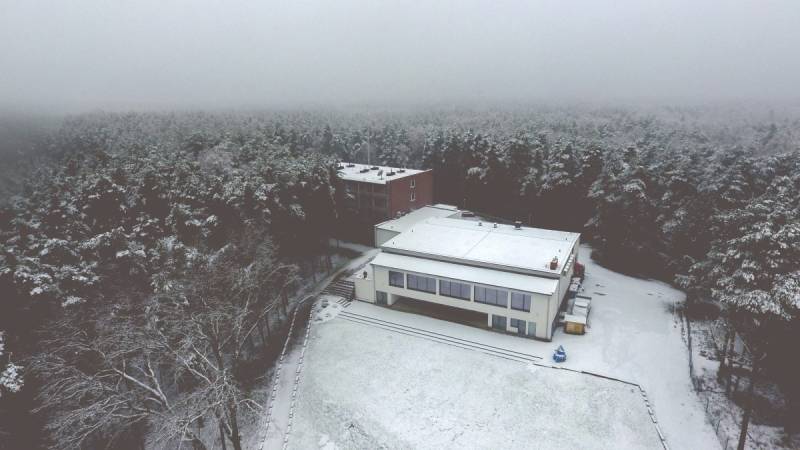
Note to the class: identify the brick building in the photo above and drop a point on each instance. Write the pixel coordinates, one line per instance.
(379, 193)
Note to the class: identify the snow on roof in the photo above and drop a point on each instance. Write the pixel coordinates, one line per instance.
(426, 212)
(575, 318)
(375, 176)
(480, 275)
(529, 249)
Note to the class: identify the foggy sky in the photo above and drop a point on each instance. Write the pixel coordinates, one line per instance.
(82, 54)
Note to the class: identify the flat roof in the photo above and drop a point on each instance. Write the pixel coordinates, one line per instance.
(575, 319)
(470, 274)
(376, 176)
(529, 249)
(426, 212)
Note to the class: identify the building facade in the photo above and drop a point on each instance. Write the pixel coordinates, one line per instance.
(516, 276)
(379, 193)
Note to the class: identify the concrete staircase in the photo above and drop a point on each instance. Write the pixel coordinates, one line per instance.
(341, 288)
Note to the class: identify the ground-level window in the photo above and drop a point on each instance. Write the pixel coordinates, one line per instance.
(489, 296)
(532, 329)
(521, 302)
(498, 322)
(454, 289)
(380, 297)
(396, 279)
(518, 324)
(424, 284)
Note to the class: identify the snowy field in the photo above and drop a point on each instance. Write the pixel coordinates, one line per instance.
(371, 384)
(365, 387)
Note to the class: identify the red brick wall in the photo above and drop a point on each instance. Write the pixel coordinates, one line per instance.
(400, 193)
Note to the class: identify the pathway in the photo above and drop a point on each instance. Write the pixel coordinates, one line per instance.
(290, 364)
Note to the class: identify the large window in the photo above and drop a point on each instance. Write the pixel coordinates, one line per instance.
(521, 302)
(423, 284)
(455, 290)
(396, 279)
(491, 296)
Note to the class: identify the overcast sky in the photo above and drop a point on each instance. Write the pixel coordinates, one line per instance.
(82, 54)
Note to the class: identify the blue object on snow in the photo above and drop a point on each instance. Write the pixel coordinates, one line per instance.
(560, 355)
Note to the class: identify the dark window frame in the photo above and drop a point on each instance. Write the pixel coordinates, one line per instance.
(460, 289)
(491, 296)
(415, 285)
(527, 300)
(393, 282)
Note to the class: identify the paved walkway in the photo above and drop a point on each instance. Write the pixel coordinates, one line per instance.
(289, 369)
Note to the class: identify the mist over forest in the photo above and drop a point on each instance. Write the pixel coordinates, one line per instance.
(150, 54)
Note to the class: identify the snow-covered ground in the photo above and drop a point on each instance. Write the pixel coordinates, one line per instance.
(368, 384)
(366, 387)
(284, 380)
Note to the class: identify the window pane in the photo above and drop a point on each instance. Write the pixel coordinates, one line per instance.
(516, 300)
(396, 279)
(502, 298)
(521, 301)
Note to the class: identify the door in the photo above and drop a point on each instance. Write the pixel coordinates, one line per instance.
(498, 322)
(532, 329)
(380, 297)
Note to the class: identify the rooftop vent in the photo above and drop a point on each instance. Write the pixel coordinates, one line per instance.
(389, 174)
(351, 165)
(554, 263)
(339, 167)
(374, 168)
(363, 171)
(518, 225)
(401, 170)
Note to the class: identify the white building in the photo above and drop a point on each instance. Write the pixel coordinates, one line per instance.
(391, 228)
(517, 276)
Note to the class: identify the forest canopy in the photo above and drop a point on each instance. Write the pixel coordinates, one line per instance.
(125, 215)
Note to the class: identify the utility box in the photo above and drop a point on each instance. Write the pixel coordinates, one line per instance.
(574, 324)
